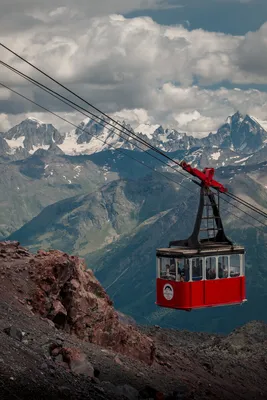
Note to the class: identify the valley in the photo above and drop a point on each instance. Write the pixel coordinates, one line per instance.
(114, 205)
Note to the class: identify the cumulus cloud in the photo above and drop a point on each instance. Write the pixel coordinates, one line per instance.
(135, 68)
(4, 122)
(7, 121)
(198, 111)
(251, 54)
(114, 50)
(191, 109)
(19, 16)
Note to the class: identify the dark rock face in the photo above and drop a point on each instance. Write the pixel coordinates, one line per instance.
(69, 295)
(61, 337)
(242, 133)
(246, 134)
(35, 134)
(4, 147)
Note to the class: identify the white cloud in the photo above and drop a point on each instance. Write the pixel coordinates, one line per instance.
(199, 111)
(129, 66)
(4, 93)
(133, 117)
(185, 118)
(27, 13)
(251, 54)
(115, 50)
(191, 109)
(7, 121)
(4, 123)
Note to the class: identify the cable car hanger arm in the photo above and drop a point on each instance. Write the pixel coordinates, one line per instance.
(206, 176)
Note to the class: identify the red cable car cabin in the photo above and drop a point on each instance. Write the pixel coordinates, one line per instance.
(207, 272)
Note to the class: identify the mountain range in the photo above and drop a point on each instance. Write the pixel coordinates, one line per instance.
(239, 135)
(115, 206)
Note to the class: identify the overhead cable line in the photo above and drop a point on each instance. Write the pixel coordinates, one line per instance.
(90, 104)
(245, 212)
(89, 133)
(67, 101)
(120, 151)
(107, 116)
(102, 121)
(247, 204)
(257, 210)
(140, 140)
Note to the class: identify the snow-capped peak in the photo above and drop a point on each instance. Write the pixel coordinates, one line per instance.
(243, 134)
(147, 129)
(85, 121)
(35, 120)
(236, 118)
(31, 135)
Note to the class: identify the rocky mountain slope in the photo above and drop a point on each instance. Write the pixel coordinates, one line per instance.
(61, 338)
(32, 135)
(107, 207)
(27, 186)
(118, 228)
(85, 223)
(45, 178)
(36, 172)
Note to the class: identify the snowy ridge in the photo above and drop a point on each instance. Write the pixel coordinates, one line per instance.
(35, 120)
(238, 139)
(147, 130)
(15, 144)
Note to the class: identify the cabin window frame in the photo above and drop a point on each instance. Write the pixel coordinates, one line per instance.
(176, 270)
(206, 258)
(203, 261)
(200, 261)
(158, 267)
(242, 264)
(224, 264)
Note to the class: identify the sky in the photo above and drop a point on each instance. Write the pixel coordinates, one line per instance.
(185, 65)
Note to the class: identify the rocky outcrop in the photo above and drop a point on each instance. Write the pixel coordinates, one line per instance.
(53, 311)
(33, 134)
(62, 290)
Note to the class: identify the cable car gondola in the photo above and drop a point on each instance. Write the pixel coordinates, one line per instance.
(202, 271)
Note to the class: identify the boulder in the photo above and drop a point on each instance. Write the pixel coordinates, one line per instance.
(68, 293)
(14, 333)
(77, 361)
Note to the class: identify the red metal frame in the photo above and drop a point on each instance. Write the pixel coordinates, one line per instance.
(199, 294)
(206, 176)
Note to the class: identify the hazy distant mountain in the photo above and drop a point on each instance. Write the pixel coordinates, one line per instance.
(27, 186)
(36, 156)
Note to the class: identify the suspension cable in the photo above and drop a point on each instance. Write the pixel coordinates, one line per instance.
(102, 121)
(140, 140)
(255, 209)
(89, 104)
(247, 204)
(89, 133)
(120, 151)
